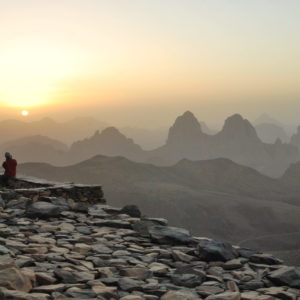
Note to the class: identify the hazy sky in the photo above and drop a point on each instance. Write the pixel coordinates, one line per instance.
(142, 62)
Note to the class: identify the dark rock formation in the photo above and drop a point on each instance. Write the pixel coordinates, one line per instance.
(215, 251)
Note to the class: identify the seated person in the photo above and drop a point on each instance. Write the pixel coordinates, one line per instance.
(10, 167)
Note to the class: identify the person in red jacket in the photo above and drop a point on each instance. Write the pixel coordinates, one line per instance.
(10, 167)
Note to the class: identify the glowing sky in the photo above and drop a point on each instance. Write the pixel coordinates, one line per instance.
(82, 55)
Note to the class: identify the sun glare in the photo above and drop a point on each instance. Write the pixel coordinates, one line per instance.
(24, 113)
(31, 72)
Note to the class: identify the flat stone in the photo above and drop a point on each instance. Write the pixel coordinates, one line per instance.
(82, 248)
(140, 273)
(73, 277)
(204, 290)
(43, 210)
(180, 295)
(101, 249)
(265, 259)
(180, 256)
(6, 262)
(133, 297)
(105, 291)
(187, 280)
(225, 296)
(4, 250)
(19, 295)
(158, 268)
(170, 235)
(129, 284)
(50, 288)
(78, 293)
(12, 278)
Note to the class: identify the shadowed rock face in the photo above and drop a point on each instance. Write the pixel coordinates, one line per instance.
(102, 254)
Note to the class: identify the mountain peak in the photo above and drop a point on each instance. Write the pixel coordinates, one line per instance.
(237, 127)
(111, 131)
(185, 128)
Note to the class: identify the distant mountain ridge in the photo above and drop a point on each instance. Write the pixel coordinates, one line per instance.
(237, 140)
(109, 142)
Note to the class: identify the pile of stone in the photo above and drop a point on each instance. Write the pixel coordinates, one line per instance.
(52, 249)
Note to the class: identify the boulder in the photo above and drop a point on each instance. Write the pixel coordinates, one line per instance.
(286, 276)
(131, 210)
(211, 250)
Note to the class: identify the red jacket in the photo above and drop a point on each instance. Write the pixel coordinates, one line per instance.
(10, 166)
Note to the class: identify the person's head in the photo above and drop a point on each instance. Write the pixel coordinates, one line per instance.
(8, 155)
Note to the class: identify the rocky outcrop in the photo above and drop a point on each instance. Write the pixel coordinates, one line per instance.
(111, 253)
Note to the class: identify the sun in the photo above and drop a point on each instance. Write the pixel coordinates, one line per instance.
(24, 113)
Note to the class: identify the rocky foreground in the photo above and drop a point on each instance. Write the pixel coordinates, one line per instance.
(64, 242)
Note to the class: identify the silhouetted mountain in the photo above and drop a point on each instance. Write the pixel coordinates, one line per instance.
(269, 133)
(109, 142)
(216, 198)
(185, 130)
(36, 148)
(237, 141)
(237, 129)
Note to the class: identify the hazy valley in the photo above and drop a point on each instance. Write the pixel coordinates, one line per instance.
(216, 198)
